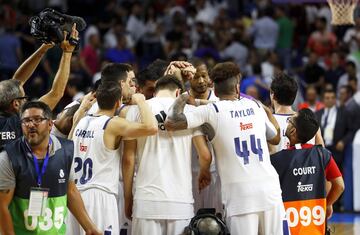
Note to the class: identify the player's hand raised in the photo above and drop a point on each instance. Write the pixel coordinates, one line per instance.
(137, 98)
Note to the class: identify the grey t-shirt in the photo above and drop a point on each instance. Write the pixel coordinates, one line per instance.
(7, 175)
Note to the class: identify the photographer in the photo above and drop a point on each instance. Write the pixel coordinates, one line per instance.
(12, 95)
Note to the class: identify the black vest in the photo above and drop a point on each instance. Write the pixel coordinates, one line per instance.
(300, 167)
(10, 128)
(57, 171)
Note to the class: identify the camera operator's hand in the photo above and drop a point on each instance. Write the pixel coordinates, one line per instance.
(69, 44)
(47, 46)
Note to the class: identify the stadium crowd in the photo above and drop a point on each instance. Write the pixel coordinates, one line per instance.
(152, 38)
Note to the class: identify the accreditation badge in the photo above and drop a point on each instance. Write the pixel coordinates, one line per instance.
(38, 201)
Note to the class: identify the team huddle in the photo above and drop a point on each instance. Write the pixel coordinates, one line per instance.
(141, 155)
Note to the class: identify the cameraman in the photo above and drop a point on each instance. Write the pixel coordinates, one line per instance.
(12, 94)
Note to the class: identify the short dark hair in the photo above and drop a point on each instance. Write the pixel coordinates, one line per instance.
(329, 91)
(351, 63)
(107, 94)
(168, 82)
(224, 75)
(115, 72)
(38, 105)
(306, 125)
(348, 89)
(284, 89)
(152, 72)
(196, 62)
(9, 90)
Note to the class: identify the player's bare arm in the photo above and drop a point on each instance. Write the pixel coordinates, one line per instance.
(176, 120)
(86, 103)
(77, 208)
(272, 119)
(128, 169)
(121, 127)
(205, 158)
(62, 75)
(337, 188)
(26, 69)
(6, 223)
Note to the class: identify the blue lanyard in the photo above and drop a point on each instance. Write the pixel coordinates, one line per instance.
(41, 173)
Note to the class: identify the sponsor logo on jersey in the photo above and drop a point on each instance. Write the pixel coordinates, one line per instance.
(245, 126)
(161, 119)
(310, 170)
(242, 113)
(304, 187)
(7, 135)
(83, 148)
(61, 174)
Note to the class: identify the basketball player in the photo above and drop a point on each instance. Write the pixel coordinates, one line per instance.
(250, 185)
(97, 157)
(283, 90)
(303, 169)
(209, 197)
(163, 191)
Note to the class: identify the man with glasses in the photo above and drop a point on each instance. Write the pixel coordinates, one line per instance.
(303, 170)
(37, 179)
(12, 94)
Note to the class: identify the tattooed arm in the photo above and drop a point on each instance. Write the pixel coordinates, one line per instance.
(176, 120)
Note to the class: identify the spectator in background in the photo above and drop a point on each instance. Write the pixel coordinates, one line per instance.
(110, 39)
(120, 53)
(10, 50)
(89, 56)
(235, 50)
(285, 38)
(135, 24)
(313, 72)
(350, 77)
(322, 42)
(311, 100)
(345, 93)
(335, 71)
(265, 32)
(352, 36)
(255, 80)
(334, 126)
(268, 67)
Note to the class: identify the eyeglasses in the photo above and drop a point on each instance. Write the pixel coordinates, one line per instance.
(22, 98)
(34, 120)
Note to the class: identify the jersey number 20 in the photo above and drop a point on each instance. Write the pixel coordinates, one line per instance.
(86, 168)
(241, 148)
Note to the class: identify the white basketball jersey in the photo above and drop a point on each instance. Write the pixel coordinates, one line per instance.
(163, 160)
(195, 159)
(249, 181)
(96, 166)
(283, 120)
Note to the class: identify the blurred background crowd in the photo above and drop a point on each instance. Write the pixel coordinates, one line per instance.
(260, 36)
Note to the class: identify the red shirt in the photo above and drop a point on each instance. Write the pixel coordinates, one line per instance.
(91, 58)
